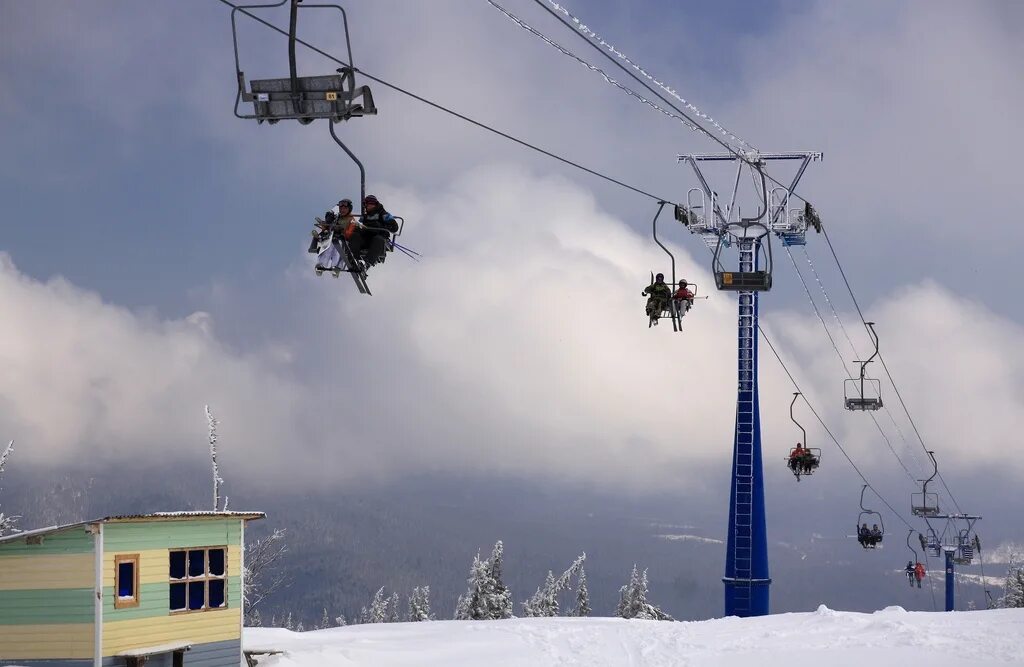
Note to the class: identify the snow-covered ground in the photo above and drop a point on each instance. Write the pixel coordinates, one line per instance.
(824, 638)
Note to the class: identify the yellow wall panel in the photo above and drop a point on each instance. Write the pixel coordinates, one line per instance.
(28, 642)
(196, 628)
(154, 565)
(46, 571)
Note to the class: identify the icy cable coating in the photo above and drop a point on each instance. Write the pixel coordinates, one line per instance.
(632, 93)
(748, 150)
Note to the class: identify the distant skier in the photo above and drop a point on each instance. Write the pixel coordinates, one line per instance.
(796, 458)
(658, 294)
(919, 573)
(864, 535)
(876, 534)
(911, 572)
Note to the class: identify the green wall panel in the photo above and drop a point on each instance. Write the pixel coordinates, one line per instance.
(155, 601)
(36, 607)
(127, 537)
(69, 541)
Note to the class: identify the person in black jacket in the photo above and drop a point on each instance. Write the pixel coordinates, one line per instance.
(369, 241)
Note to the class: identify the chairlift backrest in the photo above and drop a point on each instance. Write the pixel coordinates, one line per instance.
(303, 98)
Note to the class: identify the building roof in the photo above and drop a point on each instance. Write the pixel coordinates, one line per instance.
(127, 518)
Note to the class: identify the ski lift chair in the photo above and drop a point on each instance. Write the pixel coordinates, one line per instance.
(931, 543)
(869, 541)
(864, 393)
(793, 464)
(788, 224)
(926, 504)
(303, 98)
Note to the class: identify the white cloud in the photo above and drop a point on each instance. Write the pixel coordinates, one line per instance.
(517, 346)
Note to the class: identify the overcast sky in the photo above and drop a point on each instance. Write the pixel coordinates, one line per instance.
(154, 244)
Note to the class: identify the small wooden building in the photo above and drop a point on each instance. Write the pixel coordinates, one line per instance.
(160, 590)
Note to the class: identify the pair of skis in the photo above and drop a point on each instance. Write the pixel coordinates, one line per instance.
(355, 267)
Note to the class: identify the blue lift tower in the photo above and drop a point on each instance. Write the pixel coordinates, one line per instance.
(722, 226)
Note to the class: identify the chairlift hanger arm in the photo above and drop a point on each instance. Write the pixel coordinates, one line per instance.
(654, 228)
(796, 395)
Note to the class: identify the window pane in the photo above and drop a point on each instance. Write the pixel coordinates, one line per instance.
(126, 579)
(196, 595)
(217, 593)
(217, 562)
(177, 597)
(177, 565)
(196, 563)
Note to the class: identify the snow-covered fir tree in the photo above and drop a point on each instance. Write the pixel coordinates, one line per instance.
(340, 621)
(419, 604)
(6, 521)
(394, 612)
(487, 597)
(325, 621)
(378, 612)
(288, 624)
(633, 600)
(545, 601)
(1013, 589)
(364, 616)
(582, 606)
(253, 620)
(300, 627)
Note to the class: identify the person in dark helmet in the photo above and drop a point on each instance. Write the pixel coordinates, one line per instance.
(369, 241)
(864, 535)
(658, 294)
(909, 571)
(876, 534)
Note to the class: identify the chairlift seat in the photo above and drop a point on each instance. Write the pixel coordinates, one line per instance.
(743, 281)
(331, 97)
(793, 238)
(858, 403)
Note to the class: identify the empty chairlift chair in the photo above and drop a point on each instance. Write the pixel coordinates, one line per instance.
(864, 393)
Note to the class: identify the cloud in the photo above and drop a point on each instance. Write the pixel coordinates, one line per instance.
(518, 346)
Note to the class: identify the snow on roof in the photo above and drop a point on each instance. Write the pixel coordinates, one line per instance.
(120, 518)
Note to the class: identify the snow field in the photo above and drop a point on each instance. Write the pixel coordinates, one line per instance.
(824, 638)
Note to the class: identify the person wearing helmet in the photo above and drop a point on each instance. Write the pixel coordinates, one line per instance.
(683, 298)
(919, 573)
(658, 294)
(909, 569)
(338, 223)
(370, 240)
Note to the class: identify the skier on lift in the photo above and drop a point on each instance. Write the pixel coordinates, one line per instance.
(919, 573)
(683, 298)
(369, 240)
(659, 294)
(337, 224)
(910, 571)
(796, 459)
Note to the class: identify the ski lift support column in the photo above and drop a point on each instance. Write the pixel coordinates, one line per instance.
(950, 549)
(747, 578)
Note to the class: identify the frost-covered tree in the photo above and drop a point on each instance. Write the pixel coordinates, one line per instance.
(394, 612)
(582, 607)
(263, 576)
(378, 612)
(254, 620)
(340, 621)
(545, 601)
(364, 616)
(419, 604)
(6, 521)
(300, 627)
(288, 624)
(217, 481)
(633, 600)
(1013, 589)
(325, 621)
(487, 598)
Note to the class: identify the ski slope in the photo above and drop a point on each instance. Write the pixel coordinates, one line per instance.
(824, 638)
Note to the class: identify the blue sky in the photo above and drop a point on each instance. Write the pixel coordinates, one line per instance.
(159, 242)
